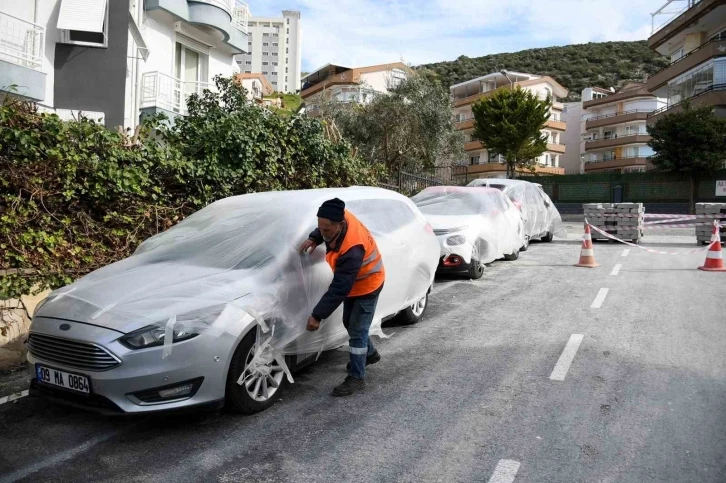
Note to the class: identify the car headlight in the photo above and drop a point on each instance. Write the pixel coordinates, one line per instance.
(153, 335)
(456, 240)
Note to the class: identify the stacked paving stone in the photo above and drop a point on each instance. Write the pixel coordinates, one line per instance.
(622, 220)
(705, 213)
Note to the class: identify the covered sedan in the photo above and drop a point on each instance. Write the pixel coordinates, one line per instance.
(474, 226)
(541, 219)
(215, 308)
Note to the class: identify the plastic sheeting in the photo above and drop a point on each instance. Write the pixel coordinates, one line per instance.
(538, 211)
(235, 264)
(475, 223)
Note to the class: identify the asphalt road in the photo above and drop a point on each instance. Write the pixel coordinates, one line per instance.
(513, 378)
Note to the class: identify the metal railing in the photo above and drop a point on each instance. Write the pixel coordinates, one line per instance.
(225, 5)
(614, 158)
(615, 114)
(685, 56)
(711, 88)
(673, 15)
(241, 16)
(21, 42)
(164, 91)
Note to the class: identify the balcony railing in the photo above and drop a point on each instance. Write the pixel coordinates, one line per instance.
(241, 16)
(615, 114)
(711, 88)
(671, 14)
(166, 92)
(21, 42)
(616, 158)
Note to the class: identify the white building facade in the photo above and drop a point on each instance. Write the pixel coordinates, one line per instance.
(274, 50)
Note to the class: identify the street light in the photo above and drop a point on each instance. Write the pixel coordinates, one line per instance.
(506, 74)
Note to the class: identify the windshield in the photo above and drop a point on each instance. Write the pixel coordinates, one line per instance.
(456, 203)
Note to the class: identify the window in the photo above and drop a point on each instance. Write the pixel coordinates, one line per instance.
(265, 73)
(288, 30)
(275, 54)
(265, 63)
(286, 70)
(287, 50)
(719, 36)
(265, 54)
(677, 55)
(274, 63)
(547, 159)
(275, 35)
(248, 62)
(287, 61)
(608, 134)
(191, 67)
(474, 160)
(285, 78)
(84, 22)
(288, 21)
(248, 72)
(265, 44)
(635, 129)
(275, 44)
(265, 34)
(287, 41)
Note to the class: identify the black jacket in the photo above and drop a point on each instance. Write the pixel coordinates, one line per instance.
(344, 275)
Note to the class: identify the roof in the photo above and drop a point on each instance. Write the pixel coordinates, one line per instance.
(493, 74)
(351, 76)
(266, 86)
(326, 66)
(601, 90)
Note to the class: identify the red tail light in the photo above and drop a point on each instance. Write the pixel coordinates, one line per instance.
(452, 261)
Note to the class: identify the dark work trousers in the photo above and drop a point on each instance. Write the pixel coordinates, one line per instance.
(357, 318)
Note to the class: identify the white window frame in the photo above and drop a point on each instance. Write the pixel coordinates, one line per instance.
(65, 35)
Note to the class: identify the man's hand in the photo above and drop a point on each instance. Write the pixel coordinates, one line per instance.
(308, 245)
(313, 324)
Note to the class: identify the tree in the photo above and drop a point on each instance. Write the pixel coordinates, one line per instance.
(409, 127)
(510, 122)
(692, 141)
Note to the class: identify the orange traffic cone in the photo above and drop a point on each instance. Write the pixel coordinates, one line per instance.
(714, 260)
(587, 255)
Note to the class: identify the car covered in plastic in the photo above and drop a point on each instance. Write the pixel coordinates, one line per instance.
(474, 226)
(214, 309)
(542, 221)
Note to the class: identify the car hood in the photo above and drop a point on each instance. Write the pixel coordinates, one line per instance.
(117, 300)
(447, 222)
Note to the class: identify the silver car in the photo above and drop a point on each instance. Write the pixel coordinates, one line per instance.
(214, 309)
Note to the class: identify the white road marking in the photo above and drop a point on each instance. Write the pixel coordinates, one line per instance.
(13, 397)
(626, 252)
(56, 459)
(505, 471)
(616, 269)
(600, 298)
(440, 287)
(563, 363)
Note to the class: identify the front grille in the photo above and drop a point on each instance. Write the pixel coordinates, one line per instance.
(71, 353)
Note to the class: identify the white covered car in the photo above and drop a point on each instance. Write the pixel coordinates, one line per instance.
(474, 226)
(541, 219)
(215, 308)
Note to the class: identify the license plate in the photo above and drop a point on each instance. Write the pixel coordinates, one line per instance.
(66, 380)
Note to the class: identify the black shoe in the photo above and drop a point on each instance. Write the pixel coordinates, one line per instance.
(375, 357)
(349, 386)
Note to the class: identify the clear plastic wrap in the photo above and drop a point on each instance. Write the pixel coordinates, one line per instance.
(235, 264)
(477, 224)
(538, 211)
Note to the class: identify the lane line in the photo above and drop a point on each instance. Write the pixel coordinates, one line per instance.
(13, 397)
(505, 471)
(597, 303)
(55, 459)
(568, 355)
(616, 269)
(626, 252)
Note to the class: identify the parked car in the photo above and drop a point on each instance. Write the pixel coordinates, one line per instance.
(215, 308)
(474, 226)
(542, 221)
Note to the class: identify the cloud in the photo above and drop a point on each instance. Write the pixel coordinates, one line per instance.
(367, 32)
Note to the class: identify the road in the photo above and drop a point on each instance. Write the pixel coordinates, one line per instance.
(512, 378)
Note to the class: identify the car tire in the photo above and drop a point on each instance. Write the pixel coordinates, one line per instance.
(526, 244)
(239, 398)
(476, 271)
(512, 256)
(548, 237)
(414, 313)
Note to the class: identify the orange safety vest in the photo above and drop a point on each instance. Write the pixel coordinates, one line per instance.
(371, 274)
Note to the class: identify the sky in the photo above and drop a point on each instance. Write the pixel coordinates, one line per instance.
(367, 32)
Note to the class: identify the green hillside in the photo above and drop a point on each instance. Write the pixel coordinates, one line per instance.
(606, 64)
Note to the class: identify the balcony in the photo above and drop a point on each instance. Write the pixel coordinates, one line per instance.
(556, 125)
(709, 50)
(473, 146)
(616, 163)
(164, 92)
(714, 95)
(556, 148)
(465, 124)
(617, 118)
(617, 141)
(620, 96)
(22, 45)
(684, 19)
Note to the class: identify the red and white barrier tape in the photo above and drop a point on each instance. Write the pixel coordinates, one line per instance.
(657, 215)
(649, 250)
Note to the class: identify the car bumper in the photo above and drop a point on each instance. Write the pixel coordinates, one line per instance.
(115, 391)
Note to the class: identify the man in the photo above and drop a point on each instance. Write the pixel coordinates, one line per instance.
(358, 278)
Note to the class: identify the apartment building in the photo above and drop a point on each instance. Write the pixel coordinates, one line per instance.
(692, 33)
(571, 161)
(115, 60)
(613, 126)
(274, 49)
(257, 86)
(349, 84)
(484, 164)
